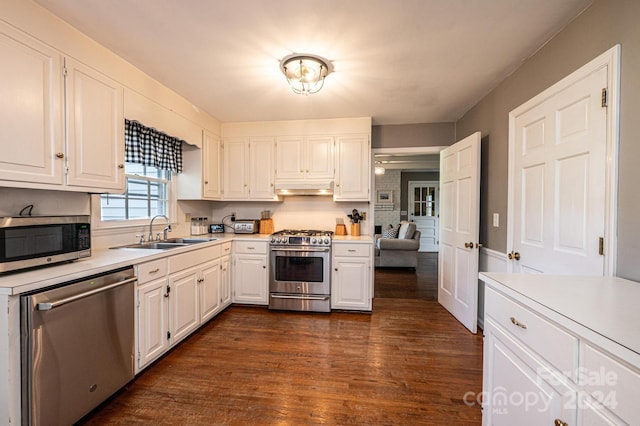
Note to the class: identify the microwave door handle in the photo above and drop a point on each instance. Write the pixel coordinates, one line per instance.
(47, 306)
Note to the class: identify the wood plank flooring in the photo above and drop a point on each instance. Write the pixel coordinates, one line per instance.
(407, 363)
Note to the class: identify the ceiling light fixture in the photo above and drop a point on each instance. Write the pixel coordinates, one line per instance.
(378, 169)
(305, 73)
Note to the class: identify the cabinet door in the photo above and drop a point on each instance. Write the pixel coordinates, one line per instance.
(289, 163)
(225, 281)
(250, 279)
(518, 389)
(261, 153)
(351, 283)
(209, 290)
(184, 304)
(352, 168)
(319, 157)
(212, 177)
(153, 321)
(236, 161)
(30, 110)
(95, 129)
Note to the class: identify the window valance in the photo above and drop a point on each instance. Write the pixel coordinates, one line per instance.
(148, 146)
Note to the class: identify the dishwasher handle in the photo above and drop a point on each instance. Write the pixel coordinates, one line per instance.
(47, 306)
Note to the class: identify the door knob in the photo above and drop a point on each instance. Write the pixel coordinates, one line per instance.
(514, 255)
(60, 155)
(468, 245)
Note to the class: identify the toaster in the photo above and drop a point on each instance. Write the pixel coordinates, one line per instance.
(246, 226)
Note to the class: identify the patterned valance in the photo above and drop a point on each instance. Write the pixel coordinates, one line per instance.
(148, 146)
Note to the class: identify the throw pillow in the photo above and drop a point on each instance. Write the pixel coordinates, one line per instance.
(391, 232)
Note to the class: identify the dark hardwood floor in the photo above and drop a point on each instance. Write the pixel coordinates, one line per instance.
(407, 363)
(405, 283)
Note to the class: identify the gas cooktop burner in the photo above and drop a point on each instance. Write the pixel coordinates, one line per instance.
(301, 237)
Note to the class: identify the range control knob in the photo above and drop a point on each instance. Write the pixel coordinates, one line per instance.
(273, 239)
(327, 240)
(313, 241)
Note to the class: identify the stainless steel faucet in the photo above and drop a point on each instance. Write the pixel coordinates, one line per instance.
(165, 230)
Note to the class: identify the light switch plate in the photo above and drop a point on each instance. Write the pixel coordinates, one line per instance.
(496, 220)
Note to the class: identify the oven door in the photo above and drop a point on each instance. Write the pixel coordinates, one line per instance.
(300, 270)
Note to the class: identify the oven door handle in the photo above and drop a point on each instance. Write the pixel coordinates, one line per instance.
(287, 296)
(297, 250)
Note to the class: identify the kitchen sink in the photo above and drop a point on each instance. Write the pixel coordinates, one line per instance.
(166, 244)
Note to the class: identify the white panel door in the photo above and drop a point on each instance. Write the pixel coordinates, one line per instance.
(319, 157)
(459, 228)
(261, 173)
(424, 211)
(558, 175)
(236, 162)
(289, 158)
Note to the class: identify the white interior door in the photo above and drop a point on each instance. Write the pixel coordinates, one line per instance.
(423, 210)
(459, 228)
(558, 155)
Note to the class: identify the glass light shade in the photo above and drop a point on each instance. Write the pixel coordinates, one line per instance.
(305, 74)
(379, 170)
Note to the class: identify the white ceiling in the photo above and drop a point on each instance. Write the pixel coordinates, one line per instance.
(398, 61)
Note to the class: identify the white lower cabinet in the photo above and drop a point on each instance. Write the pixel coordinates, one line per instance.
(176, 295)
(250, 272)
(542, 368)
(351, 284)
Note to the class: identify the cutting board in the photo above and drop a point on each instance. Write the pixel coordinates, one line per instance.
(266, 226)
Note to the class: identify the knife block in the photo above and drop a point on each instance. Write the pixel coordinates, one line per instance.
(355, 229)
(341, 229)
(266, 226)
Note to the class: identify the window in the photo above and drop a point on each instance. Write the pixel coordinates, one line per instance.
(147, 194)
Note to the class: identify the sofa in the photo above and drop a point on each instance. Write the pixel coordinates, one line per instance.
(400, 251)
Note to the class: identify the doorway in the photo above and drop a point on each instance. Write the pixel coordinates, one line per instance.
(401, 165)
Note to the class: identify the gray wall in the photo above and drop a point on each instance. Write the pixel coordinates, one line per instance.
(412, 135)
(603, 25)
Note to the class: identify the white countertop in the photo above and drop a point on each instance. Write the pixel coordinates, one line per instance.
(608, 306)
(100, 261)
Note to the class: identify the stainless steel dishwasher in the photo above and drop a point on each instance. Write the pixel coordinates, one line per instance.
(77, 346)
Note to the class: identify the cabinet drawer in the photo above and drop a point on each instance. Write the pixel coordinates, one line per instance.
(360, 250)
(151, 270)
(611, 383)
(250, 247)
(191, 258)
(555, 345)
(225, 249)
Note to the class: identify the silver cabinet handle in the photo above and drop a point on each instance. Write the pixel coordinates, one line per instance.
(47, 306)
(279, 296)
(518, 323)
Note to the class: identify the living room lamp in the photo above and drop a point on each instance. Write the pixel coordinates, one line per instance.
(305, 73)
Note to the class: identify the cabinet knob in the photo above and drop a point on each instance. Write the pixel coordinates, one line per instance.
(206, 182)
(559, 422)
(337, 184)
(166, 295)
(60, 154)
(121, 166)
(335, 269)
(264, 266)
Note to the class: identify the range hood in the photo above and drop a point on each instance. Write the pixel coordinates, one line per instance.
(305, 188)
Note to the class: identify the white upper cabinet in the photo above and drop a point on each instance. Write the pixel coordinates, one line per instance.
(201, 178)
(303, 158)
(353, 168)
(95, 129)
(33, 112)
(249, 169)
(31, 107)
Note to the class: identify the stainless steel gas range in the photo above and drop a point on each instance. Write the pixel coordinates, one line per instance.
(300, 270)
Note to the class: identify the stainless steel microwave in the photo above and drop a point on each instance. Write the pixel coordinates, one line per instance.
(30, 241)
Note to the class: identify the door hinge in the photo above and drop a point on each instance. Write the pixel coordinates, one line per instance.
(168, 335)
(601, 246)
(64, 71)
(604, 98)
(138, 357)
(168, 288)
